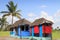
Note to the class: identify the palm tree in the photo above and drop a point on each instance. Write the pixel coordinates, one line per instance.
(12, 10)
(8, 27)
(3, 23)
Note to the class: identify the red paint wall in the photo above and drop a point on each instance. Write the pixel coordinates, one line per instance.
(36, 29)
(47, 29)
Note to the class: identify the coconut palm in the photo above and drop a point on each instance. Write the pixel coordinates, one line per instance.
(8, 27)
(12, 10)
(3, 23)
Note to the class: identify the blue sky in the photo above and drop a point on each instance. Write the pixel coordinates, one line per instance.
(34, 9)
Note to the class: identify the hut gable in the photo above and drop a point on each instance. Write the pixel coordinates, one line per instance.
(21, 22)
(41, 21)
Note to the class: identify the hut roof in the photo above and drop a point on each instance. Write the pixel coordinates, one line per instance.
(21, 22)
(41, 21)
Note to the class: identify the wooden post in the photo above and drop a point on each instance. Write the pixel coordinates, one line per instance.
(18, 31)
(40, 34)
(32, 31)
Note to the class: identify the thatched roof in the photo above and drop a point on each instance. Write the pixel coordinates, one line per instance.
(21, 22)
(36, 22)
(41, 21)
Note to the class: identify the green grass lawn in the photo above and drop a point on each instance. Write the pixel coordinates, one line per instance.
(55, 34)
(4, 33)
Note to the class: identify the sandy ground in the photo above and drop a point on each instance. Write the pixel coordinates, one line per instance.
(10, 38)
(57, 39)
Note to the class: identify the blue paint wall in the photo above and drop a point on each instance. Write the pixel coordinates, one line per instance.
(25, 33)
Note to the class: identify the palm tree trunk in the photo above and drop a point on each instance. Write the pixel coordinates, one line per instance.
(12, 20)
(5, 27)
(1, 27)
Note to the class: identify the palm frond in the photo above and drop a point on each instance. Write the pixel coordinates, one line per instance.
(18, 16)
(9, 8)
(15, 7)
(11, 3)
(6, 14)
(18, 11)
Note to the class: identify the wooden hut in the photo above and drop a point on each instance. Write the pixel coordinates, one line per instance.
(22, 27)
(41, 27)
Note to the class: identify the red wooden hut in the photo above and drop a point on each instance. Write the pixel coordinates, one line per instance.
(42, 27)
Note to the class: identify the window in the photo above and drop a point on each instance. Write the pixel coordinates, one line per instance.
(22, 28)
(26, 28)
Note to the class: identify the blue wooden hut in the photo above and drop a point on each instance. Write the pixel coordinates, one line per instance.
(22, 28)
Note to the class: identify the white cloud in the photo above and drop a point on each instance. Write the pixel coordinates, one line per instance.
(9, 19)
(46, 16)
(57, 14)
(57, 19)
(37, 17)
(1, 15)
(43, 6)
(30, 19)
(31, 15)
